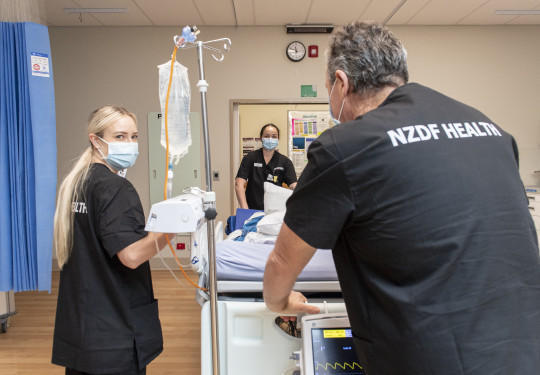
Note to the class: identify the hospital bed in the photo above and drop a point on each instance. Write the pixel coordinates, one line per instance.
(249, 339)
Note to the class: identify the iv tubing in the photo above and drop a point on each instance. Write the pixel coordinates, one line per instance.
(181, 268)
(166, 265)
(173, 59)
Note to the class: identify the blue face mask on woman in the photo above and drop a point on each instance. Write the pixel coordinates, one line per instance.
(121, 155)
(270, 143)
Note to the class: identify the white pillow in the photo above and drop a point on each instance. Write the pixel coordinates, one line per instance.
(271, 224)
(275, 198)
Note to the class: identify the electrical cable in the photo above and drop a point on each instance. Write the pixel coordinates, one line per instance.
(167, 266)
(182, 268)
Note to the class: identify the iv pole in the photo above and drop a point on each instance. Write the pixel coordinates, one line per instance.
(210, 196)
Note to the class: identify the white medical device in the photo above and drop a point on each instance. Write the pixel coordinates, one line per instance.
(181, 214)
(327, 346)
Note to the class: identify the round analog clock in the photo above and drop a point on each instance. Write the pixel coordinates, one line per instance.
(296, 51)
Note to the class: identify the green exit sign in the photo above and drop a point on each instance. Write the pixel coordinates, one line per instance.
(308, 91)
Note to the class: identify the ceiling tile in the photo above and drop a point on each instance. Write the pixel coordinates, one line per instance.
(445, 12)
(280, 12)
(133, 17)
(379, 11)
(216, 13)
(56, 16)
(525, 20)
(485, 15)
(171, 12)
(340, 12)
(407, 11)
(245, 12)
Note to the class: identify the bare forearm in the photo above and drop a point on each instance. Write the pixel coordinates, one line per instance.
(240, 189)
(139, 252)
(278, 283)
(283, 266)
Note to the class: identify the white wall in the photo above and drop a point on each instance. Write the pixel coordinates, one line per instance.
(96, 66)
(492, 68)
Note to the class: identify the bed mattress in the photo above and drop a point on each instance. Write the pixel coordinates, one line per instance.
(246, 261)
(240, 267)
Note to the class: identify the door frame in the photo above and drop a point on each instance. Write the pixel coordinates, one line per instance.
(234, 120)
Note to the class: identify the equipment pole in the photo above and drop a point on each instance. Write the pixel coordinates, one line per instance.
(210, 209)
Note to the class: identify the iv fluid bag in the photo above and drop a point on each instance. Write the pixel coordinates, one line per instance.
(178, 112)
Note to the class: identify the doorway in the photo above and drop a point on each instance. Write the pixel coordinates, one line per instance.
(247, 119)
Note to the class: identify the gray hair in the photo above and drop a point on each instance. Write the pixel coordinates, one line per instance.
(369, 54)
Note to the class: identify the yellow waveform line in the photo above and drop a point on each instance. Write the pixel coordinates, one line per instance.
(336, 365)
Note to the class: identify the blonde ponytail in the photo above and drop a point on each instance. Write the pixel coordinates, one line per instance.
(73, 184)
(69, 192)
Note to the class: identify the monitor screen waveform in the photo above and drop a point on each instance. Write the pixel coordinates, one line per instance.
(333, 352)
(339, 366)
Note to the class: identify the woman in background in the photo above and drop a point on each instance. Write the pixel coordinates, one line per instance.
(107, 318)
(260, 166)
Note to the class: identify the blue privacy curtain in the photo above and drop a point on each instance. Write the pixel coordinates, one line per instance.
(27, 157)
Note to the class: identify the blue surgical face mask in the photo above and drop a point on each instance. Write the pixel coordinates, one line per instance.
(270, 143)
(336, 121)
(121, 155)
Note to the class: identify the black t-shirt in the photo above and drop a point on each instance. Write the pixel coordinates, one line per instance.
(106, 311)
(437, 256)
(254, 169)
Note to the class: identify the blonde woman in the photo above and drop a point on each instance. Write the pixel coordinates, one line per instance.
(107, 318)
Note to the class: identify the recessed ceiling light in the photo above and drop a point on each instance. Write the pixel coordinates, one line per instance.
(518, 12)
(95, 10)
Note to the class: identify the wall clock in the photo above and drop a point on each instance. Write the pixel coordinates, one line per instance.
(296, 51)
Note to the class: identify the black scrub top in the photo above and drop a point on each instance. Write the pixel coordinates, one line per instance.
(422, 203)
(254, 169)
(107, 318)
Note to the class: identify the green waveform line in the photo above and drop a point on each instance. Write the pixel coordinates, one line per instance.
(336, 365)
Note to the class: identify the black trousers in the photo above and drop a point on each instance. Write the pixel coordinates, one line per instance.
(130, 372)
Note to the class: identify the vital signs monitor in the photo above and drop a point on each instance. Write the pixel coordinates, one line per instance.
(328, 346)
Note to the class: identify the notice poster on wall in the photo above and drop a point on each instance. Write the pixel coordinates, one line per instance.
(304, 127)
(250, 144)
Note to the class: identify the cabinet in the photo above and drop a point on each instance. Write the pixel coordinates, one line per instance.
(187, 173)
(7, 308)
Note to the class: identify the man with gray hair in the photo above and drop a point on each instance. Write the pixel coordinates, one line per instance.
(420, 199)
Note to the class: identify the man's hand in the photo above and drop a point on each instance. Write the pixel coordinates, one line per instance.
(297, 303)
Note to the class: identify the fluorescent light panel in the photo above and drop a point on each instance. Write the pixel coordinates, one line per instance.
(518, 12)
(95, 10)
